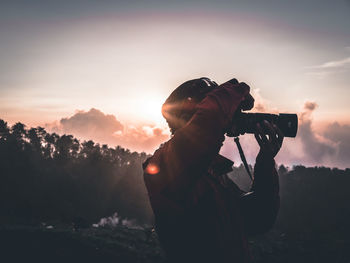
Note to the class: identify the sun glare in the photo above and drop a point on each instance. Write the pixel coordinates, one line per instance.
(149, 108)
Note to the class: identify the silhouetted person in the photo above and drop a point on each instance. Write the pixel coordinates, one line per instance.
(201, 215)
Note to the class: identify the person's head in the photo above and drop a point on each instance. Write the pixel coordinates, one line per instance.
(180, 105)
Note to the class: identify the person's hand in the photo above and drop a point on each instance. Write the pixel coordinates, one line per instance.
(271, 143)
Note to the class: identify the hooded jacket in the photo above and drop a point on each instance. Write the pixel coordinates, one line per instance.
(200, 214)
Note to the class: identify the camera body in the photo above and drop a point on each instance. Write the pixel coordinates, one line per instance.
(246, 123)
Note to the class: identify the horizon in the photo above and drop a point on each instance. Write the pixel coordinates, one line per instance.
(222, 152)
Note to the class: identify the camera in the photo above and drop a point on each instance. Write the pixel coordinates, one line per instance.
(246, 123)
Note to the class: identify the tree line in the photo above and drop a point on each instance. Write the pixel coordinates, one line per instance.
(57, 178)
(48, 177)
(314, 200)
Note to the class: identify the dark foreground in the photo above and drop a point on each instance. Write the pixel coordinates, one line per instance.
(121, 244)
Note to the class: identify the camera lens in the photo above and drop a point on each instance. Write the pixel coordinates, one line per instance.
(246, 123)
(288, 123)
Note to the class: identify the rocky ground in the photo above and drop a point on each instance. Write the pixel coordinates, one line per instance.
(123, 244)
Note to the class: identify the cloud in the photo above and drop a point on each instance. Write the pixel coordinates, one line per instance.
(310, 105)
(142, 138)
(316, 148)
(106, 129)
(259, 103)
(311, 147)
(330, 147)
(334, 64)
(330, 67)
(340, 134)
(90, 124)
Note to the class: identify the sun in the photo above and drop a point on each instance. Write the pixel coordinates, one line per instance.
(149, 108)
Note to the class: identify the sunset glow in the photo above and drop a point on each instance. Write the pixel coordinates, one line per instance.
(148, 109)
(125, 60)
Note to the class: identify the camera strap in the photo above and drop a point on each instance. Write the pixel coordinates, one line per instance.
(241, 154)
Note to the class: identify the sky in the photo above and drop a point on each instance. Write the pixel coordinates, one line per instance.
(102, 69)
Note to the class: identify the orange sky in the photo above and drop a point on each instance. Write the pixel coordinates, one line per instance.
(124, 65)
(125, 60)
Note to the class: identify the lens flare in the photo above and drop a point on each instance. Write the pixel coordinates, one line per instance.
(152, 169)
